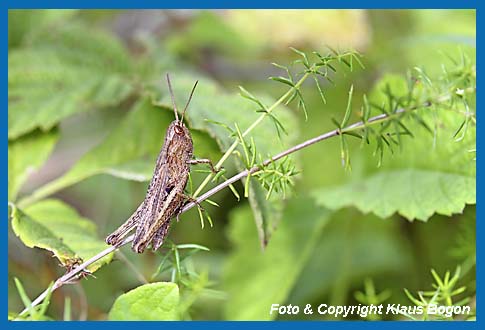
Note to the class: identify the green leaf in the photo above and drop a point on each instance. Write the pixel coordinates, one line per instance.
(412, 193)
(47, 300)
(207, 30)
(56, 227)
(25, 155)
(34, 313)
(265, 278)
(67, 309)
(264, 211)
(25, 299)
(393, 83)
(348, 110)
(150, 302)
(136, 170)
(366, 245)
(136, 140)
(303, 55)
(193, 246)
(431, 173)
(210, 104)
(64, 71)
(22, 22)
(283, 80)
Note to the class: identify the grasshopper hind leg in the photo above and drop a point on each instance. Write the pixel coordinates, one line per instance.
(119, 234)
(160, 235)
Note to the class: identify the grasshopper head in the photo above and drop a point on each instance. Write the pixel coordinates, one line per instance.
(180, 140)
(177, 130)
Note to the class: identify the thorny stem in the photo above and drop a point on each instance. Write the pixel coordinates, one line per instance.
(247, 131)
(73, 274)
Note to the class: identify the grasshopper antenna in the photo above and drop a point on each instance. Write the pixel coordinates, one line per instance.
(173, 98)
(190, 98)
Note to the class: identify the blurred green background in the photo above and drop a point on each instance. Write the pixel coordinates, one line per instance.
(315, 255)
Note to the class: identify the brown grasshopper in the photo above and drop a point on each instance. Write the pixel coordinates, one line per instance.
(165, 196)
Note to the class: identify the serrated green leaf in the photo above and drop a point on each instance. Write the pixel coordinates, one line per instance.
(25, 155)
(33, 234)
(431, 173)
(139, 136)
(266, 278)
(56, 227)
(412, 193)
(150, 302)
(64, 71)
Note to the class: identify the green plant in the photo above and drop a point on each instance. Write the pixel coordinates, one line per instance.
(443, 294)
(370, 297)
(417, 105)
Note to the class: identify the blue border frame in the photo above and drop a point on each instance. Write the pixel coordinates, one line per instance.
(374, 4)
(192, 4)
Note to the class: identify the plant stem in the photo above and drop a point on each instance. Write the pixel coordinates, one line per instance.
(69, 276)
(66, 278)
(247, 131)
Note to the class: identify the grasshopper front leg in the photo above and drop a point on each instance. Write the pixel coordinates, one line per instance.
(204, 161)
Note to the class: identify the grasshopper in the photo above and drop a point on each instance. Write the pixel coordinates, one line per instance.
(165, 197)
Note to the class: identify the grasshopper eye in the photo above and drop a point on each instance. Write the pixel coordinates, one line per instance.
(178, 130)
